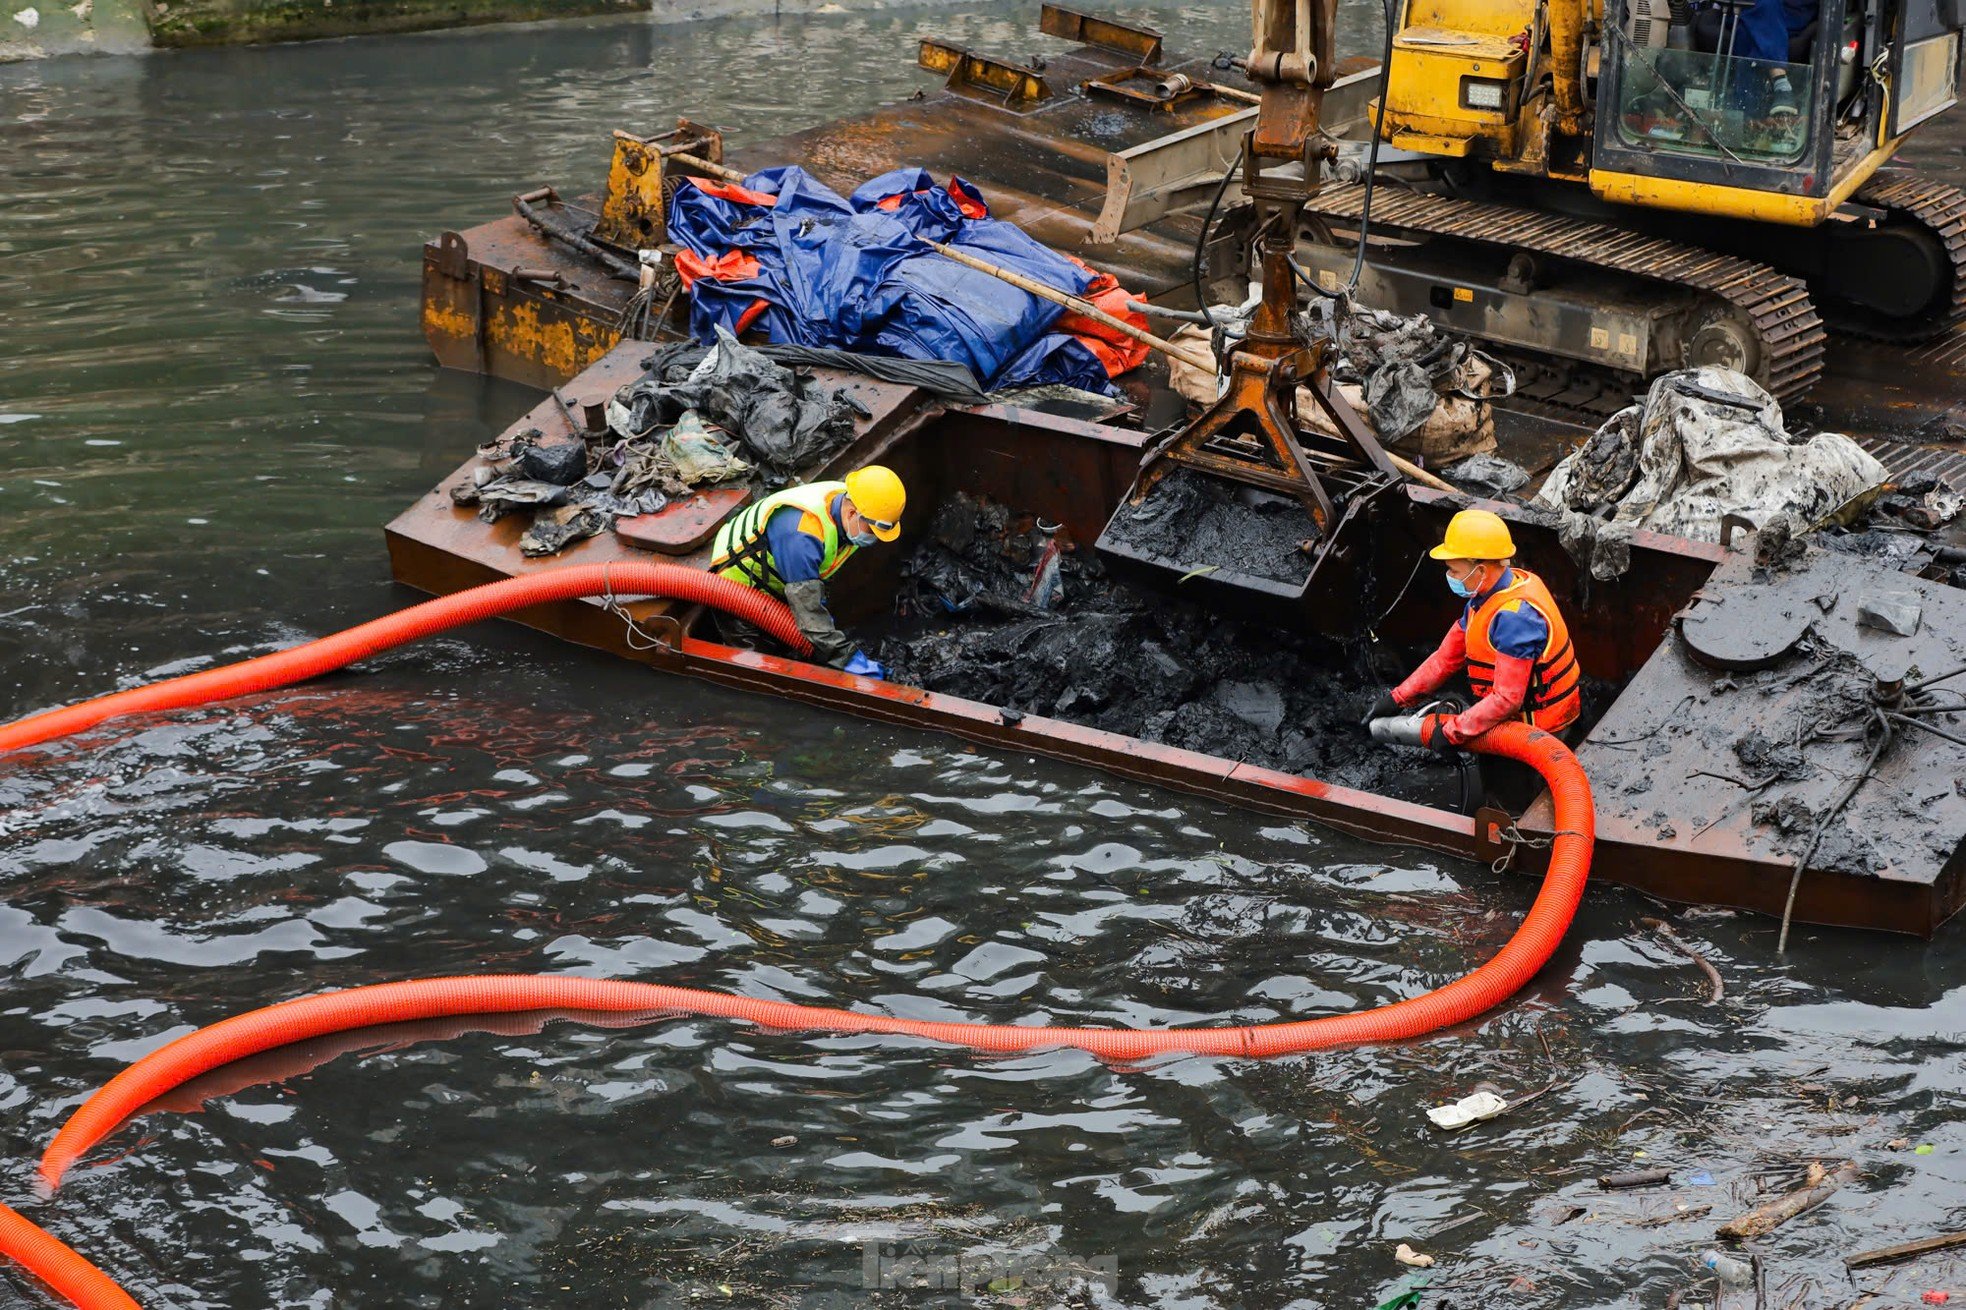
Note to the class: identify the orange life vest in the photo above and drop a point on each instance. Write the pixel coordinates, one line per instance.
(1552, 702)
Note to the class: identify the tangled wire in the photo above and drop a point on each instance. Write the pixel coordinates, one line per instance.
(1885, 709)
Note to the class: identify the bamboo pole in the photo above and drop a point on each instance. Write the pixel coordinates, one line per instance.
(703, 166)
(1077, 304)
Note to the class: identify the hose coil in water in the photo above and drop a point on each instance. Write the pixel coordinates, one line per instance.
(299, 663)
(278, 1025)
(298, 1020)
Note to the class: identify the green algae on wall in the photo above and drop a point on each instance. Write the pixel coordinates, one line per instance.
(234, 22)
(32, 29)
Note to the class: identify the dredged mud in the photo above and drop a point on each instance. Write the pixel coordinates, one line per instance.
(1193, 522)
(995, 608)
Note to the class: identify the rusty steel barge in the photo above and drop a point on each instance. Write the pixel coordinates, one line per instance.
(1697, 648)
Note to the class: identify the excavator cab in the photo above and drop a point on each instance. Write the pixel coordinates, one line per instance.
(1764, 110)
(1605, 190)
(1716, 88)
(1773, 109)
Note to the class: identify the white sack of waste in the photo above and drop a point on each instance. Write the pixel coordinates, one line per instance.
(1467, 1110)
(1707, 443)
(1462, 424)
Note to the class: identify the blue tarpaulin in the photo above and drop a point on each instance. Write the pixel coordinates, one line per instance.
(786, 255)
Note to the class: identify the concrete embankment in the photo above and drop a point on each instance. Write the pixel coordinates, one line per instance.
(32, 29)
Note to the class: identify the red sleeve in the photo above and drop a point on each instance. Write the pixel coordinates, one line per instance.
(1502, 703)
(1443, 664)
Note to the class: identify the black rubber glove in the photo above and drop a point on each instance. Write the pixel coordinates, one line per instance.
(1434, 733)
(807, 601)
(1383, 708)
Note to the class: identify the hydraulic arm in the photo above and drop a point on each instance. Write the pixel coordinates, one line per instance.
(1251, 434)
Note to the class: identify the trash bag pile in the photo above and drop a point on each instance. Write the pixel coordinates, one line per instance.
(1417, 383)
(788, 256)
(723, 415)
(1704, 444)
(577, 489)
(1422, 391)
(786, 422)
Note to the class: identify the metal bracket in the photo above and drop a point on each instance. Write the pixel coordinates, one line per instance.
(632, 213)
(453, 256)
(1148, 87)
(1142, 44)
(631, 208)
(1730, 524)
(1490, 822)
(984, 76)
(692, 139)
(1249, 436)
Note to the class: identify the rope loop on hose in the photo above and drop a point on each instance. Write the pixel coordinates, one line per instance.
(611, 604)
(1515, 839)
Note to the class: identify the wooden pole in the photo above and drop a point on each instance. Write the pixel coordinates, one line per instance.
(1905, 1250)
(1769, 1215)
(1077, 304)
(703, 166)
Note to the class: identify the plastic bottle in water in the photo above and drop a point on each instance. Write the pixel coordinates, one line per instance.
(1734, 1273)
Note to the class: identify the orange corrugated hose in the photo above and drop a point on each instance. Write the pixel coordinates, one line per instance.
(313, 1016)
(360, 1007)
(299, 663)
(57, 1264)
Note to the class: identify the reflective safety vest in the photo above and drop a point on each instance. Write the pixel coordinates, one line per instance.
(742, 553)
(1552, 702)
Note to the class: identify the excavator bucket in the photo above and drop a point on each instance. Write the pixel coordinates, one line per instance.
(1243, 510)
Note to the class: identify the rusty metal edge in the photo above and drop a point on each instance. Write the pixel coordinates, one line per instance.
(1355, 812)
(1741, 884)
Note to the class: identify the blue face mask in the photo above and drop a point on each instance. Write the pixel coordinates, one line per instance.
(860, 540)
(1460, 588)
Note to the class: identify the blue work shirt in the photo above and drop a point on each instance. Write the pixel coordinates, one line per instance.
(1766, 27)
(796, 554)
(1516, 629)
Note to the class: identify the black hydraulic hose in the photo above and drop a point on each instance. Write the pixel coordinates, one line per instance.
(1371, 172)
(1201, 238)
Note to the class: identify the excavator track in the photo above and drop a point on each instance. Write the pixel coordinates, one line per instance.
(1940, 209)
(1775, 306)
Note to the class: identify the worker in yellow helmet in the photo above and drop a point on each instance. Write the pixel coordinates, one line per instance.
(1510, 639)
(790, 543)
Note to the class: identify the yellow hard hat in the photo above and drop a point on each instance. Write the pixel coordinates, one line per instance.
(880, 498)
(1475, 534)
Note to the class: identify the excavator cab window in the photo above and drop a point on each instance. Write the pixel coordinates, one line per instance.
(1729, 79)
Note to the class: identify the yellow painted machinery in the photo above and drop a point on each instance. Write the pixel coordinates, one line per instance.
(1604, 190)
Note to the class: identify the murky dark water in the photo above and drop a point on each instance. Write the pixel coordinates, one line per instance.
(213, 394)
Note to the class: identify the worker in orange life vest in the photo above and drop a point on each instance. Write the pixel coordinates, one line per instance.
(1511, 640)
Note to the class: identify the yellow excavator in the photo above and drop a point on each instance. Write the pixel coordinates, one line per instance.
(1604, 190)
